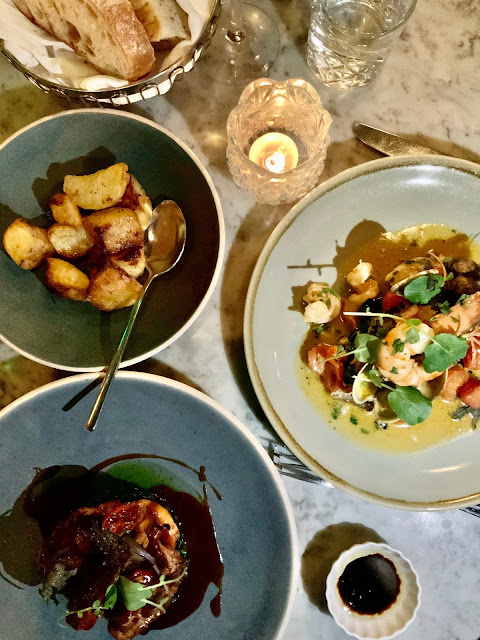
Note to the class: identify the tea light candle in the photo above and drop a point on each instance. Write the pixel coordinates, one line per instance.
(275, 151)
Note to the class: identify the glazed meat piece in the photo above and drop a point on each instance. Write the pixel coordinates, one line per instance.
(91, 549)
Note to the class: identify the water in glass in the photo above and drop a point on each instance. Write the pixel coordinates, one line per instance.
(349, 39)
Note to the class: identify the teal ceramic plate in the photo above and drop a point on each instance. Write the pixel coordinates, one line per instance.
(146, 414)
(74, 335)
(389, 194)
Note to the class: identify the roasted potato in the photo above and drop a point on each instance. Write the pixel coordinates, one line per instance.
(112, 288)
(27, 245)
(66, 280)
(115, 231)
(136, 199)
(64, 211)
(133, 263)
(70, 242)
(98, 190)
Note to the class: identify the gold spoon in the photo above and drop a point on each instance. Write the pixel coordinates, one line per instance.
(165, 239)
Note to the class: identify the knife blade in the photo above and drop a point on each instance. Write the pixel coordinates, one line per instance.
(389, 143)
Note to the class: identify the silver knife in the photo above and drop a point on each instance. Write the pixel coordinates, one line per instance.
(389, 143)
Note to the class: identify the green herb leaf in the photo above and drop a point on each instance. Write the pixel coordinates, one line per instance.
(424, 288)
(353, 420)
(413, 322)
(409, 405)
(364, 430)
(367, 347)
(375, 378)
(110, 597)
(463, 297)
(318, 329)
(412, 336)
(136, 595)
(397, 346)
(330, 291)
(336, 412)
(445, 350)
(394, 370)
(444, 308)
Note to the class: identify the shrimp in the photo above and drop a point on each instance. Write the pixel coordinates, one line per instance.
(324, 304)
(396, 360)
(463, 317)
(364, 286)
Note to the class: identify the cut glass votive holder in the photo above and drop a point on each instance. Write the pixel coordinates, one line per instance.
(277, 139)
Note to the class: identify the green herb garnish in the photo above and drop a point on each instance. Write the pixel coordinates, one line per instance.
(97, 607)
(336, 412)
(409, 404)
(136, 595)
(444, 350)
(424, 288)
(353, 420)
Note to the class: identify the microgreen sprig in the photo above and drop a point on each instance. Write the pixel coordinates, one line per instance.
(110, 600)
(136, 595)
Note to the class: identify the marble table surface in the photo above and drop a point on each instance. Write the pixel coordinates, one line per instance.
(428, 89)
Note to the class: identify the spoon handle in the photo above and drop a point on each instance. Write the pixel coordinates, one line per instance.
(117, 358)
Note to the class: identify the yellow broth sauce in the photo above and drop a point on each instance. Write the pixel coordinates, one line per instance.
(385, 252)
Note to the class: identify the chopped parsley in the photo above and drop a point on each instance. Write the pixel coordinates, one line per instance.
(394, 370)
(397, 346)
(336, 412)
(364, 430)
(353, 420)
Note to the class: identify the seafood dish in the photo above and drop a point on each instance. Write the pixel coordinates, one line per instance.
(387, 350)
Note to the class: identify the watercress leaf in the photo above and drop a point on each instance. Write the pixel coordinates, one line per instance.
(424, 288)
(375, 378)
(444, 308)
(110, 597)
(409, 404)
(367, 347)
(134, 595)
(413, 322)
(445, 350)
(412, 336)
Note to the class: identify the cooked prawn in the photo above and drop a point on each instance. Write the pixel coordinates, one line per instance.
(463, 317)
(400, 366)
(323, 303)
(364, 286)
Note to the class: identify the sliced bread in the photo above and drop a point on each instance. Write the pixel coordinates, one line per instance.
(107, 33)
(165, 22)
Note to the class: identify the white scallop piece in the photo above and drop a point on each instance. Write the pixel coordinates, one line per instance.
(389, 623)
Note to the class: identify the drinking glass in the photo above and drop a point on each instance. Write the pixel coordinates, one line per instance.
(349, 40)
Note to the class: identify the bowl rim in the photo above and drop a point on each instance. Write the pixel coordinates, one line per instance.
(162, 381)
(221, 230)
(365, 168)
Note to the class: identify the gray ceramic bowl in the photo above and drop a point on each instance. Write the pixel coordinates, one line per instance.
(74, 335)
(146, 414)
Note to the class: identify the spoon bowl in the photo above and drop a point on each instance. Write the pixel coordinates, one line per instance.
(164, 241)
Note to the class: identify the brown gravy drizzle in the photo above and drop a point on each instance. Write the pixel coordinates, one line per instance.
(58, 490)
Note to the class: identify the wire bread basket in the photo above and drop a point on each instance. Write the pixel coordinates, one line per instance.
(149, 87)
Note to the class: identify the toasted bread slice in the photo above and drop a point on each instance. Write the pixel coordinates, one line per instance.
(107, 33)
(165, 22)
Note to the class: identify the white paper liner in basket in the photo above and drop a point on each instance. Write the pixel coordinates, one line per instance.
(52, 60)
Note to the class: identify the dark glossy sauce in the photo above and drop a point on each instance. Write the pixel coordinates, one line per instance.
(369, 585)
(58, 490)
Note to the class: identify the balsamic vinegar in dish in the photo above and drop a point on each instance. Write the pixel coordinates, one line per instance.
(393, 350)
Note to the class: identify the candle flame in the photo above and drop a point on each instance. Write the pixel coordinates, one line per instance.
(276, 161)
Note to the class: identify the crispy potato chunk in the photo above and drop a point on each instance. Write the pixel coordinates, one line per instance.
(70, 242)
(27, 245)
(64, 211)
(112, 288)
(136, 199)
(98, 190)
(66, 280)
(115, 231)
(134, 263)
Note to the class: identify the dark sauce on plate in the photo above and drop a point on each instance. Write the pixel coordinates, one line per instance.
(58, 490)
(369, 585)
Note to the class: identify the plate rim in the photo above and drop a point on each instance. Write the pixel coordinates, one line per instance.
(221, 232)
(161, 381)
(365, 168)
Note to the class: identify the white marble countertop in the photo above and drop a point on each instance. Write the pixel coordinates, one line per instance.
(428, 89)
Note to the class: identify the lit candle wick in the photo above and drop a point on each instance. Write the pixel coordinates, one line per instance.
(275, 151)
(276, 161)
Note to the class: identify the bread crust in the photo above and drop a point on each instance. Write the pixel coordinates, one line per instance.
(107, 33)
